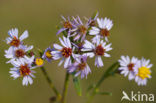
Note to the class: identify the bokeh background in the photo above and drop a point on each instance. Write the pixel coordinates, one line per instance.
(133, 34)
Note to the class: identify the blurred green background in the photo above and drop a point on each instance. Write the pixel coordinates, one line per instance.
(133, 34)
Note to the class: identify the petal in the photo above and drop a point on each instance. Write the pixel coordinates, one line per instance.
(62, 42)
(56, 46)
(66, 63)
(30, 80)
(29, 48)
(99, 22)
(106, 55)
(24, 35)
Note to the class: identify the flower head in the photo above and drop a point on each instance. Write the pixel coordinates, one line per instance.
(14, 40)
(81, 29)
(80, 67)
(19, 52)
(92, 21)
(39, 62)
(98, 50)
(47, 54)
(64, 52)
(23, 69)
(104, 26)
(128, 66)
(143, 73)
(67, 26)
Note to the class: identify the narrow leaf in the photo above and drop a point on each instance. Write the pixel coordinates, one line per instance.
(77, 86)
(105, 93)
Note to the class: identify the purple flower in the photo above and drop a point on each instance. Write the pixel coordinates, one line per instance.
(80, 67)
(92, 21)
(47, 54)
(67, 26)
(81, 29)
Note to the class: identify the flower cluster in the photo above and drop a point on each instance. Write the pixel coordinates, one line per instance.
(76, 45)
(139, 70)
(81, 40)
(21, 57)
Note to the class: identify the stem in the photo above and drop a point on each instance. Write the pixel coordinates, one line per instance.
(65, 90)
(106, 74)
(50, 83)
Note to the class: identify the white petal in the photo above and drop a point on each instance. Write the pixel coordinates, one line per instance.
(131, 76)
(29, 48)
(30, 80)
(106, 55)
(66, 63)
(62, 42)
(99, 22)
(60, 63)
(24, 35)
(25, 81)
(56, 46)
(100, 62)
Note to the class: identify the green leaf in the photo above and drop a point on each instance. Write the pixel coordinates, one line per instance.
(105, 93)
(77, 86)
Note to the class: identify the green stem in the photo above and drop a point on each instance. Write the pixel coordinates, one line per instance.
(50, 83)
(106, 74)
(65, 89)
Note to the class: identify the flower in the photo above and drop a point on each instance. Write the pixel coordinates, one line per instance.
(98, 50)
(17, 52)
(64, 52)
(39, 62)
(80, 66)
(23, 69)
(103, 30)
(13, 40)
(143, 73)
(47, 54)
(128, 66)
(92, 21)
(67, 25)
(81, 29)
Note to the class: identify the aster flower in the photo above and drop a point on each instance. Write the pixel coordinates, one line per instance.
(23, 69)
(98, 50)
(14, 40)
(92, 21)
(143, 73)
(67, 25)
(103, 30)
(47, 54)
(64, 52)
(128, 66)
(80, 67)
(81, 29)
(17, 52)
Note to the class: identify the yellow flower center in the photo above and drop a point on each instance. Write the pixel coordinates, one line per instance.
(48, 54)
(144, 72)
(39, 61)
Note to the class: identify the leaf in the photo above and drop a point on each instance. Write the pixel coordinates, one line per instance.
(105, 93)
(76, 82)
